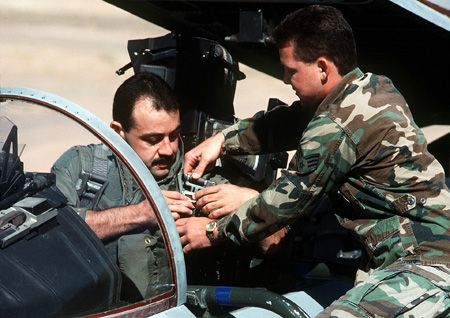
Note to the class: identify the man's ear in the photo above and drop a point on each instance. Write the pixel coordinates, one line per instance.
(117, 127)
(324, 68)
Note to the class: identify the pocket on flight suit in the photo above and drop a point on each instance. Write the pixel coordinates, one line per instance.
(138, 265)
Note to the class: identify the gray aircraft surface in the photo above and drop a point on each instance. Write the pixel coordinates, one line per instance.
(52, 263)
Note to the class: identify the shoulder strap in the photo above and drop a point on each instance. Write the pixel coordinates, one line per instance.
(92, 177)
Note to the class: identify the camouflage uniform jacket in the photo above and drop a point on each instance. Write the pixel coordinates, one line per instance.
(362, 149)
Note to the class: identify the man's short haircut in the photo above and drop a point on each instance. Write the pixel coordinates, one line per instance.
(317, 31)
(142, 85)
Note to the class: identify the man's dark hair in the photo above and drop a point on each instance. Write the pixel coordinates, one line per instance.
(142, 85)
(317, 31)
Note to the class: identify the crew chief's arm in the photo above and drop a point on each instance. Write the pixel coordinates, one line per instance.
(277, 130)
(324, 156)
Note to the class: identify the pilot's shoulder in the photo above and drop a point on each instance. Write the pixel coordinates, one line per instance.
(76, 155)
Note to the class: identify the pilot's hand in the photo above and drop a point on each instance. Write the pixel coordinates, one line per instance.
(204, 156)
(223, 199)
(179, 204)
(192, 233)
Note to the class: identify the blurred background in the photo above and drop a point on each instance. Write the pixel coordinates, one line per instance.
(73, 48)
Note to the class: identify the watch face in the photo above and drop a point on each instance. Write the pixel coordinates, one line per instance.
(211, 226)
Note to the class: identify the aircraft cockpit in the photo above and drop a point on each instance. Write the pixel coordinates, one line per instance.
(53, 264)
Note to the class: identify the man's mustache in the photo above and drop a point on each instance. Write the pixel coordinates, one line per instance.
(164, 160)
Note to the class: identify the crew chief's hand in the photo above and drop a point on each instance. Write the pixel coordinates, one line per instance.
(193, 233)
(202, 157)
(223, 199)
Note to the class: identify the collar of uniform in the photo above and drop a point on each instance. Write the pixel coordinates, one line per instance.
(338, 89)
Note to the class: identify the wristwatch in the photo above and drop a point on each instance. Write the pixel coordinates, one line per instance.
(210, 227)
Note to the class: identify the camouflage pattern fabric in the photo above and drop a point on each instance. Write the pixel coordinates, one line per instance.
(363, 149)
(400, 290)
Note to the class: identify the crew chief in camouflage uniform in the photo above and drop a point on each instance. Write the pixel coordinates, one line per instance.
(360, 146)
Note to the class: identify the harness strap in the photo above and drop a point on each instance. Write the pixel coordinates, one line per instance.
(89, 183)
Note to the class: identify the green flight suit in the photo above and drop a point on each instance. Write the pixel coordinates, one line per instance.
(143, 277)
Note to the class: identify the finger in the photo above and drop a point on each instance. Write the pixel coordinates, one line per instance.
(202, 207)
(180, 222)
(190, 162)
(182, 203)
(168, 194)
(204, 164)
(186, 212)
(199, 170)
(207, 199)
(182, 234)
(183, 241)
(181, 210)
(200, 203)
(174, 195)
(176, 216)
(186, 203)
(187, 169)
(188, 248)
(219, 204)
(219, 213)
(206, 191)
